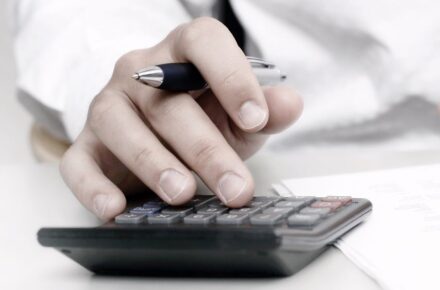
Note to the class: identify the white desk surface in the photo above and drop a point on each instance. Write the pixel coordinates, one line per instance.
(33, 196)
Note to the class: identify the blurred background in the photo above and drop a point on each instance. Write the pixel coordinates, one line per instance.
(15, 122)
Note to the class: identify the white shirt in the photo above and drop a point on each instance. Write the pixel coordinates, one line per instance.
(355, 63)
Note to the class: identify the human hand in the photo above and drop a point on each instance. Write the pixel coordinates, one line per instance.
(136, 135)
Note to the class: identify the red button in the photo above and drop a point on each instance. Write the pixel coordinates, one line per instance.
(342, 199)
(332, 205)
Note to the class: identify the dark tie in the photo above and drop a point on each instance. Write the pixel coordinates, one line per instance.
(229, 19)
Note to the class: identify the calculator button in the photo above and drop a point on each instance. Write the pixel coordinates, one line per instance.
(303, 219)
(232, 219)
(245, 210)
(147, 211)
(266, 218)
(295, 204)
(180, 210)
(332, 205)
(263, 201)
(130, 218)
(163, 218)
(342, 199)
(216, 203)
(307, 199)
(316, 211)
(284, 211)
(155, 204)
(198, 218)
(212, 210)
(260, 203)
(273, 199)
(200, 201)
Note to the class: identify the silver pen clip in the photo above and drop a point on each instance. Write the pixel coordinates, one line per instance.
(259, 62)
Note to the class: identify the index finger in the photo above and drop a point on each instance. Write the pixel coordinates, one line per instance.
(210, 46)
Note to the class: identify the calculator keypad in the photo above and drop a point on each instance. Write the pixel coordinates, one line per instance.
(300, 211)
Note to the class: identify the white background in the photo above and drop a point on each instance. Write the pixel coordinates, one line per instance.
(14, 120)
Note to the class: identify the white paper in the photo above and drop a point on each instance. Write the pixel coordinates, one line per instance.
(399, 245)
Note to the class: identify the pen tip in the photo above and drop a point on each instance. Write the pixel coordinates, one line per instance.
(135, 76)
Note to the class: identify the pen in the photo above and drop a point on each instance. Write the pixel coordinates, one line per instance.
(186, 77)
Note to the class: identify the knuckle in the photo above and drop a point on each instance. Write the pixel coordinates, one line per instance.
(142, 157)
(204, 152)
(201, 28)
(128, 61)
(240, 89)
(98, 111)
(229, 81)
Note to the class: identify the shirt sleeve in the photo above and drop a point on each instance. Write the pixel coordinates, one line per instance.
(65, 50)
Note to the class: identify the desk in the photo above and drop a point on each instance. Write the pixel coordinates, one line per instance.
(34, 196)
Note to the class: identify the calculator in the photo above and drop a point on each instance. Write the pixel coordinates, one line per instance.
(270, 236)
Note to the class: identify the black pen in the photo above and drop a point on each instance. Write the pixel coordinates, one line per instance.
(186, 77)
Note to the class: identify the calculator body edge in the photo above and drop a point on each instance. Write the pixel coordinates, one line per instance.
(211, 250)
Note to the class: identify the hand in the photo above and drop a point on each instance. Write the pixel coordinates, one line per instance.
(137, 135)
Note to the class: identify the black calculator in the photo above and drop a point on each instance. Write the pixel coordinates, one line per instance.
(271, 236)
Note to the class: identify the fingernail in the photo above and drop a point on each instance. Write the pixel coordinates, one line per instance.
(230, 187)
(251, 115)
(100, 204)
(172, 183)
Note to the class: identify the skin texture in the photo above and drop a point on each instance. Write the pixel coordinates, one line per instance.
(137, 136)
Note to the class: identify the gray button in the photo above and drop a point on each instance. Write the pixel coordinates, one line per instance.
(232, 219)
(245, 210)
(284, 211)
(164, 218)
(200, 201)
(295, 204)
(199, 218)
(143, 210)
(263, 201)
(216, 203)
(266, 218)
(155, 204)
(181, 210)
(306, 199)
(213, 210)
(316, 211)
(303, 219)
(272, 199)
(260, 203)
(130, 218)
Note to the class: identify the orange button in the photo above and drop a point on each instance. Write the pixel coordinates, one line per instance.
(332, 205)
(342, 199)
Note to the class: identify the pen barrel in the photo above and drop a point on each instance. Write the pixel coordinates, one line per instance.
(267, 76)
(181, 77)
